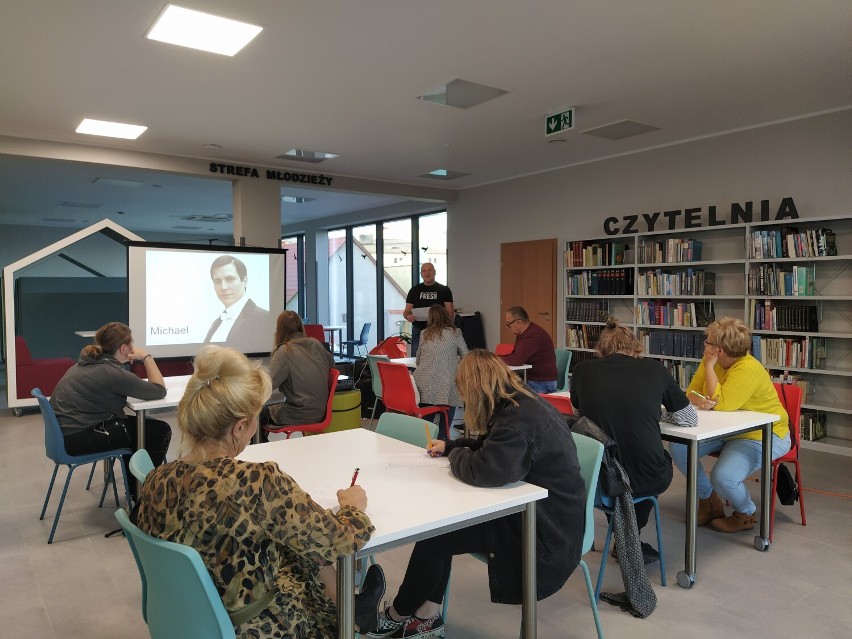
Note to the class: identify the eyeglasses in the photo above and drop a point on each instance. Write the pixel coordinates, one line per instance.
(509, 324)
(706, 343)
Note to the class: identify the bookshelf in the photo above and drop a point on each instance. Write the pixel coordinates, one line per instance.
(791, 281)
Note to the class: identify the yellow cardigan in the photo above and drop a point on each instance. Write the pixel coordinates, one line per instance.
(744, 386)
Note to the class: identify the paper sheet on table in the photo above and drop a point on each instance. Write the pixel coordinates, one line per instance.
(421, 314)
(326, 495)
(417, 460)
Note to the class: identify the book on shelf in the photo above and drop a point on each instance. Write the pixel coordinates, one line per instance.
(671, 250)
(767, 315)
(596, 253)
(791, 242)
(812, 425)
(586, 310)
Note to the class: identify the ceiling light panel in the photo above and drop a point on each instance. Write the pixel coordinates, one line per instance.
(111, 129)
(462, 94)
(202, 31)
(132, 184)
(443, 174)
(303, 155)
(621, 130)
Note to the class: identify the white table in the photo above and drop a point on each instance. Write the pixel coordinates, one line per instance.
(443, 502)
(411, 362)
(714, 425)
(331, 330)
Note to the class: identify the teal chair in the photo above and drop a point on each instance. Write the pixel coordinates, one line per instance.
(141, 465)
(179, 599)
(590, 453)
(377, 380)
(563, 361)
(405, 428)
(54, 447)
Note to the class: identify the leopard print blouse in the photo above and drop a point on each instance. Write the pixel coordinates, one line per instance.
(256, 530)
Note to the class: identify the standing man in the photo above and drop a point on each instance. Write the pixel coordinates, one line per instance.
(241, 318)
(423, 296)
(533, 346)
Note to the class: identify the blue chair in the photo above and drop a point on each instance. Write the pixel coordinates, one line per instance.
(361, 342)
(563, 361)
(605, 504)
(140, 465)
(179, 598)
(590, 453)
(54, 447)
(377, 380)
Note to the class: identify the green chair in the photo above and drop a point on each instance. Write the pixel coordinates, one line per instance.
(405, 428)
(590, 453)
(141, 465)
(563, 361)
(377, 380)
(179, 599)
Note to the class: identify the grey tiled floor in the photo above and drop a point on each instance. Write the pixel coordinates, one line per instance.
(84, 585)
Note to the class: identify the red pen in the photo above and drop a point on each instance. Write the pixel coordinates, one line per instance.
(354, 477)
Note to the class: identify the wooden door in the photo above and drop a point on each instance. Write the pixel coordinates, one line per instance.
(528, 279)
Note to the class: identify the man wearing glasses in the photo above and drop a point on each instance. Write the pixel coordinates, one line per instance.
(533, 346)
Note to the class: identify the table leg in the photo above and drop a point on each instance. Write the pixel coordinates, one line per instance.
(761, 541)
(528, 610)
(140, 441)
(686, 578)
(346, 597)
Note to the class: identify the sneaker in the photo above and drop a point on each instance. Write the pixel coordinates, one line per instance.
(649, 554)
(385, 626)
(417, 627)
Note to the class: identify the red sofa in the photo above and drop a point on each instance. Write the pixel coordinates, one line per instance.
(37, 373)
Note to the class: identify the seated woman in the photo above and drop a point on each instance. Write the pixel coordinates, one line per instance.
(521, 437)
(729, 378)
(268, 546)
(90, 398)
(299, 368)
(441, 345)
(622, 393)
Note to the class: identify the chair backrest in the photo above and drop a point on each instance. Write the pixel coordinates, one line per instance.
(504, 349)
(316, 331)
(791, 398)
(407, 429)
(365, 333)
(180, 599)
(560, 403)
(372, 360)
(141, 464)
(590, 453)
(563, 361)
(333, 374)
(22, 352)
(54, 444)
(397, 390)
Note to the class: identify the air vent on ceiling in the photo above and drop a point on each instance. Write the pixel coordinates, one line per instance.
(443, 174)
(296, 199)
(82, 205)
(184, 227)
(60, 220)
(118, 182)
(462, 94)
(222, 217)
(303, 155)
(621, 130)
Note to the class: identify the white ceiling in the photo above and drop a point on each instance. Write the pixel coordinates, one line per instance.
(343, 77)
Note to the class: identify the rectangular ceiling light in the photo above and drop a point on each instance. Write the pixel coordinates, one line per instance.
(203, 31)
(462, 94)
(303, 155)
(443, 174)
(296, 199)
(132, 184)
(111, 129)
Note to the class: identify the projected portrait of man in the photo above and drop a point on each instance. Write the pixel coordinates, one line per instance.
(241, 320)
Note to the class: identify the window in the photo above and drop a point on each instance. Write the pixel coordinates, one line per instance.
(364, 290)
(294, 273)
(338, 298)
(396, 246)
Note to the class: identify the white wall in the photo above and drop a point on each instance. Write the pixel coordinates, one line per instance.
(808, 160)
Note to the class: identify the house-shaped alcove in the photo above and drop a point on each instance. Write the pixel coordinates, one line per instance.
(74, 285)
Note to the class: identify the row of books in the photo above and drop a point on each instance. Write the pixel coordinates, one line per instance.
(778, 279)
(812, 426)
(607, 281)
(767, 315)
(668, 313)
(594, 253)
(683, 372)
(584, 336)
(671, 250)
(789, 352)
(673, 343)
(789, 242)
(689, 282)
(586, 310)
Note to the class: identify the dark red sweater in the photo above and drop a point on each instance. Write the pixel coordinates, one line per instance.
(534, 347)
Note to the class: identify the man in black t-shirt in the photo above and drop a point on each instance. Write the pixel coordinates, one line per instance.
(423, 296)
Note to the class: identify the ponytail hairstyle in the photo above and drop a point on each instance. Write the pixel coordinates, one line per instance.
(225, 388)
(109, 338)
(615, 338)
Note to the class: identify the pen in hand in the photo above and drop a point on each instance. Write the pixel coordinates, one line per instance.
(354, 477)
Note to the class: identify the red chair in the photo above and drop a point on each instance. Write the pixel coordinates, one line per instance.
(316, 331)
(504, 349)
(398, 393)
(319, 427)
(791, 398)
(42, 373)
(562, 403)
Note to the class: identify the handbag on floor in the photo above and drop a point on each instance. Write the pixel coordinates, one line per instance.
(785, 486)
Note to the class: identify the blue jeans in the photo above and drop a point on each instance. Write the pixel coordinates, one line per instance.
(738, 458)
(543, 387)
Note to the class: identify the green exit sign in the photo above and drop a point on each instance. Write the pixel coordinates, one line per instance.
(559, 122)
